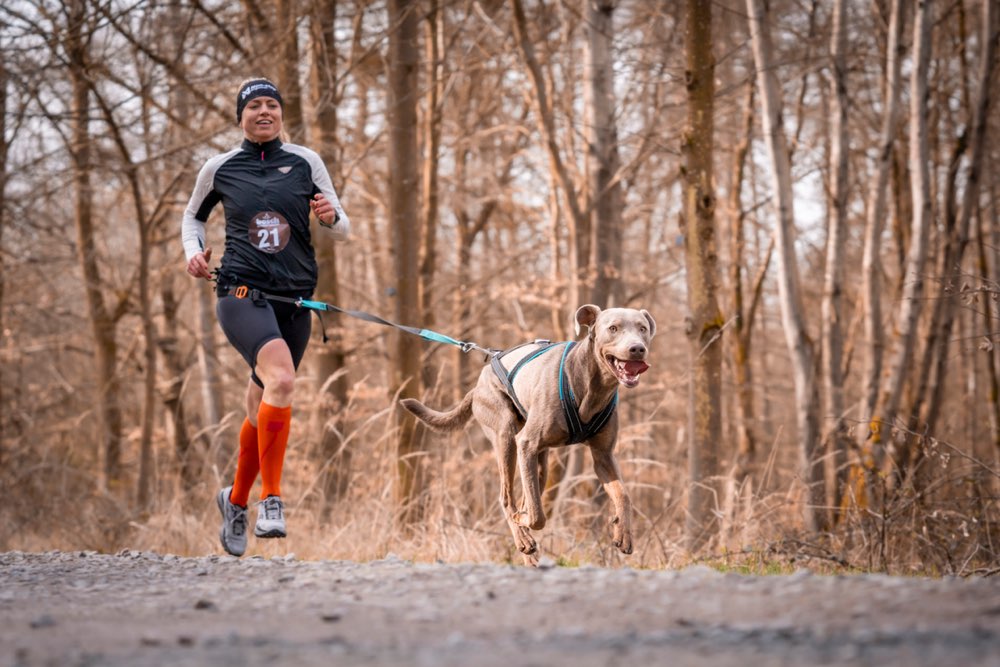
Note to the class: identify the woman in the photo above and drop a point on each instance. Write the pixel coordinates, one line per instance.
(267, 189)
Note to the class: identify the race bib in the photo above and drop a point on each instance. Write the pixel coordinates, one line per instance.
(269, 232)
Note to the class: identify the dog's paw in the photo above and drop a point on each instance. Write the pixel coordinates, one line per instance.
(625, 544)
(525, 542)
(622, 537)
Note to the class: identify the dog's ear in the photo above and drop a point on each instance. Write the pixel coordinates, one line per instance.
(652, 322)
(586, 316)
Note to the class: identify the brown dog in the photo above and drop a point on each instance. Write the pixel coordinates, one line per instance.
(535, 396)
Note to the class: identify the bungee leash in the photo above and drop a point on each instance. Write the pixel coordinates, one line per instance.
(242, 292)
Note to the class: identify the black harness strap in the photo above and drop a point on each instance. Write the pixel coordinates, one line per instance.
(507, 378)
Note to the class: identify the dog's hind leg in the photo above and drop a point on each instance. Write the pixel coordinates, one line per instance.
(506, 455)
(610, 476)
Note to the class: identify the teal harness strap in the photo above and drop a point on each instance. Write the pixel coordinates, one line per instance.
(578, 431)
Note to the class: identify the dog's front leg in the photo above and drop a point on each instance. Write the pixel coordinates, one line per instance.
(528, 461)
(610, 476)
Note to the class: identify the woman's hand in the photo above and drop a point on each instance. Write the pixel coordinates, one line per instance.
(323, 210)
(198, 265)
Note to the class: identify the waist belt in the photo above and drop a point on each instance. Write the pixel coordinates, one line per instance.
(260, 298)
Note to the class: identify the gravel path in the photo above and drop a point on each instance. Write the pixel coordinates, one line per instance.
(84, 608)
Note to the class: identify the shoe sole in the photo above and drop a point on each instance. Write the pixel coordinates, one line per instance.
(274, 532)
(222, 531)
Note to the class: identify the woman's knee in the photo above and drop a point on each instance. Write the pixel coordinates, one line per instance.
(281, 381)
(275, 368)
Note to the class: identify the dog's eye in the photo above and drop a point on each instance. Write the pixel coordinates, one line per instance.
(612, 328)
(642, 329)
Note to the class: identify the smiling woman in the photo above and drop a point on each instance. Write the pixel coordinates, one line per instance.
(259, 110)
(267, 189)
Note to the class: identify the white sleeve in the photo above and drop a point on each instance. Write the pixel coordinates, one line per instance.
(341, 227)
(203, 199)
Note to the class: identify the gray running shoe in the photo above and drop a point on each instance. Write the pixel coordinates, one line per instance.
(233, 533)
(270, 518)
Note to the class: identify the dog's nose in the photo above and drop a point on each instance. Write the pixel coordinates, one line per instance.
(637, 351)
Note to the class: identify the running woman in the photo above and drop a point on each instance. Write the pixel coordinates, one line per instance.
(268, 189)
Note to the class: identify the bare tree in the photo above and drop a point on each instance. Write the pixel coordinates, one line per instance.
(957, 223)
(286, 36)
(331, 359)
(579, 225)
(604, 163)
(429, 213)
(403, 201)
(871, 288)
(704, 321)
(800, 346)
(103, 318)
(833, 278)
(913, 286)
(4, 147)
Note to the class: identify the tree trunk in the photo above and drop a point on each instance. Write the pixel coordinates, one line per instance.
(3, 221)
(335, 454)
(704, 320)
(433, 50)
(144, 483)
(800, 346)
(742, 328)
(913, 284)
(871, 261)
(403, 201)
(989, 312)
(836, 437)
(579, 227)
(102, 322)
(286, 38)
(602, 154)
(958, 236)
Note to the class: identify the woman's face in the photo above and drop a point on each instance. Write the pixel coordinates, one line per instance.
(261, 120)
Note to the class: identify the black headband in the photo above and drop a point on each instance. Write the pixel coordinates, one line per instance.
(255, 88)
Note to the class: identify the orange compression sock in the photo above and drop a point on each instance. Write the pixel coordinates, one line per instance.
(247, 465)
(273, 425)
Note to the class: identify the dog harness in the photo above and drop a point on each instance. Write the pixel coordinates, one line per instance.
(578, 430)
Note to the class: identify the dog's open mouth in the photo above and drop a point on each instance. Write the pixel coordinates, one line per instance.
(627, 372)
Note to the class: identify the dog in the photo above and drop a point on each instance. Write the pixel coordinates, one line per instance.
(542, 395)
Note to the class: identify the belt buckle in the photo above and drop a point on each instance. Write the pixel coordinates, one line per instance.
(240, 292)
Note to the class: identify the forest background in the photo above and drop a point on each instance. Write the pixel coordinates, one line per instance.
(802, 193)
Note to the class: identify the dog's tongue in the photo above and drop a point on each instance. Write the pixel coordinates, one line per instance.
(636, 367)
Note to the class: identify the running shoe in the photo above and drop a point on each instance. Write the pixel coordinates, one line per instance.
(270, 518)
(233, 533)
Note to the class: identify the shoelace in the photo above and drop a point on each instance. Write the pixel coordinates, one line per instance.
(238, 520)
(272, 508)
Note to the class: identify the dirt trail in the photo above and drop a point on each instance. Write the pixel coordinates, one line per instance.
(82, 608)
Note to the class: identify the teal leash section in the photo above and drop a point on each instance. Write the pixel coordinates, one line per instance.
(426, 334)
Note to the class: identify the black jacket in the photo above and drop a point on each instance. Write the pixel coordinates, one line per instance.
(265, 191)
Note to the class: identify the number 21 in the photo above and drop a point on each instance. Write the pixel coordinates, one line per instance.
(267, 238)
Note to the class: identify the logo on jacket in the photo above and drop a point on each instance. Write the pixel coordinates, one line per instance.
(269, 232)
(284, 170)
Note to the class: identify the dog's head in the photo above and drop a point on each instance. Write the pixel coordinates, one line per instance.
(620, 338)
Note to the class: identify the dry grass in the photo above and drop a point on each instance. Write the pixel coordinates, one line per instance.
(949, 527)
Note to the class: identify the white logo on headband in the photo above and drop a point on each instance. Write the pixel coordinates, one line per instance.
(255, 87)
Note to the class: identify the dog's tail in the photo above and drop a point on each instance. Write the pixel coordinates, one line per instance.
(451, 420)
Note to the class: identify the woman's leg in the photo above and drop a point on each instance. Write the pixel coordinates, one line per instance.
(276, 370)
